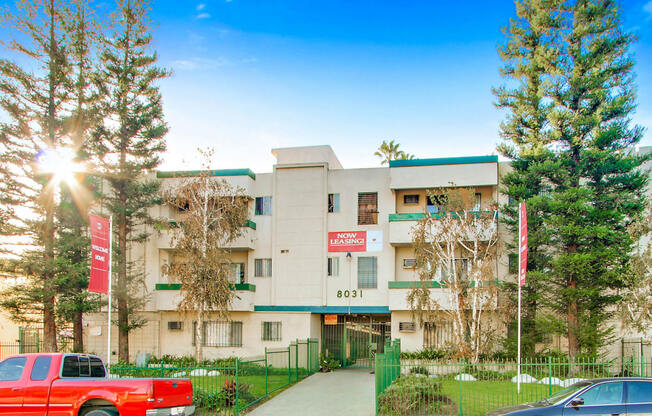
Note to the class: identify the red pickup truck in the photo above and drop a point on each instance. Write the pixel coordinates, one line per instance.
(77, 385)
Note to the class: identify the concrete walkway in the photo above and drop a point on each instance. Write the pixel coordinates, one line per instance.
(342, 392)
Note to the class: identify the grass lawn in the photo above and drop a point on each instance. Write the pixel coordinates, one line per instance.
(479, 397)
(257, 382)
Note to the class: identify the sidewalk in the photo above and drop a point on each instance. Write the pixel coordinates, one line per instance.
(342, 392)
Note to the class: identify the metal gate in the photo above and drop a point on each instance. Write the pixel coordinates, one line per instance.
(355, 339)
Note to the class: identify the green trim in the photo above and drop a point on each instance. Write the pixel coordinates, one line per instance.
(430, 284)
(177, 286)
(177, 224)
(419, 215)
(193, 173)
(323, 309)
(443, 161)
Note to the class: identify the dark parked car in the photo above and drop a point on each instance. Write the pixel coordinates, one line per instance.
(604, 396)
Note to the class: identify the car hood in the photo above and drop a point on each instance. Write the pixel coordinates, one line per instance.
(510, 409)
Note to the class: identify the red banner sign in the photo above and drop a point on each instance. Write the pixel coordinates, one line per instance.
(522, 237)
(347, 241)
(100, 254)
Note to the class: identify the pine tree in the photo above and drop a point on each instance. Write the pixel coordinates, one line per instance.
(526, 55)
(35, 101)
(126, 147)
(590, 188)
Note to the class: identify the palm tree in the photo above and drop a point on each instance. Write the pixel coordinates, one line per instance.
(389, 151)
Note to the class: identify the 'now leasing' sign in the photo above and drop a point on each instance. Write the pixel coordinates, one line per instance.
(355, 241)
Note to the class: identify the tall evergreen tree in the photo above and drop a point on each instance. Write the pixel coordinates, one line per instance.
(35, 100)
(589, 188)
(126, 147)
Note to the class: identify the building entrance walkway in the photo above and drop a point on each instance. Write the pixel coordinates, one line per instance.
(347, 392)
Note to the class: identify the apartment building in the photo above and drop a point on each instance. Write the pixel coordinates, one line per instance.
(327, 254)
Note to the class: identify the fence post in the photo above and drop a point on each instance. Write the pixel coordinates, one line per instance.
(266, 365)
(237, 387)
(622, 356)
(459, 367)
(290, 363)
(296, 361)
(549, 376)
(642, 366)
(308, 356)
(161, 371)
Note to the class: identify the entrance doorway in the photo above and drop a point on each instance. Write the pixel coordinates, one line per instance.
(355, 339)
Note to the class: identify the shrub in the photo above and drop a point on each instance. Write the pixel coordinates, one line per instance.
(415, 396)
(208, 400)
(419, 369)
(327, 363)
(425, 354)
(231, 389)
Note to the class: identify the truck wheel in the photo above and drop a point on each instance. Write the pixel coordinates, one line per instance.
(102, 412)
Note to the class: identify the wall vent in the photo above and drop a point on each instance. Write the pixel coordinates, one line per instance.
(406, 327)
(175, 325)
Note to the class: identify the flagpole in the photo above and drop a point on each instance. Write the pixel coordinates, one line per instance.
(518, 370)
(108, 342)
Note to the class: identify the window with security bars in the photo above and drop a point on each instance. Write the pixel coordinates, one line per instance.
(262, 267)
(271, 331)
(263, 205)
(219, 334)
(436, 335)
(367, 208)
(462, 267)
(367, 272)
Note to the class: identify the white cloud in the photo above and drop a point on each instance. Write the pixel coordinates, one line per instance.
(200, 63)
(203, 16)
(647, 8)
(201, 6)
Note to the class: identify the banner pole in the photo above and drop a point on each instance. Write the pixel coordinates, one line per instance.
(108, 342)
(518, 370)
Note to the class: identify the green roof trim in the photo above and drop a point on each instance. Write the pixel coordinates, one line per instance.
(193, 173)
(177, 224)
(324, 309)
(251, 224)
(430, 284)
(177, 286)
(443, 161)
(419, 215)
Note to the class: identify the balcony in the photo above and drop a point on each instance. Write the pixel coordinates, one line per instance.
(243, 243)
(168, 296)
(400, 226)
(398, 292)
(238, 178)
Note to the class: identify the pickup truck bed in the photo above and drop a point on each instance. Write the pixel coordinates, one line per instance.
(76, 385)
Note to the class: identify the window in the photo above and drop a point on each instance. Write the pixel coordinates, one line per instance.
(513, 263)
(478, 202)
(411, 199)
(461, 270)
(367, 272)
(333, 202)
(409, 263)
(263, 267)
(84, 366)
(11, 369)
(436, 335)
(333, 266)
(367, 208)
(639, 392)
(41, 368)
(605, 393)
(263, 205)
(97, 368)
(70, 366)
(219, 334)
(237, 273)
(436, 203)
(271, 331)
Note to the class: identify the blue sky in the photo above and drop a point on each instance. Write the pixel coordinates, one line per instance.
(251, 75)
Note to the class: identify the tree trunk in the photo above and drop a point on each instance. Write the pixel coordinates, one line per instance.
(199, 340)
(573, 344)
(123, 306)
(77, 332)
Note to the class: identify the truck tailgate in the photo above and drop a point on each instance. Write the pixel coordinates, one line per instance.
(172, 392)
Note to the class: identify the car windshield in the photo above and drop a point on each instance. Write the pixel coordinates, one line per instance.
(562, 395)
